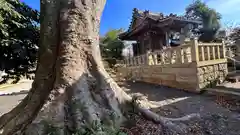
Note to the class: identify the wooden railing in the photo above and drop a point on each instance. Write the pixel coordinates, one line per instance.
(135, 61)
(186, 53)
(211, 51)
(176, 55)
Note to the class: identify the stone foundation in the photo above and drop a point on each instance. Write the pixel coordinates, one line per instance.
(185, 76)
(211, 75)
(178, 77)
(192, 66)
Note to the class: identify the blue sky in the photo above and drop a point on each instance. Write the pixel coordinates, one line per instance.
(117, 13)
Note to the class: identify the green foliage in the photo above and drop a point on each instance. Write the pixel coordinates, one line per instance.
(96, 128)
(107, 126)
(99, 129)
(209, 17)
(6, 7)
(111, 46)
(19, 38)
(49, 129)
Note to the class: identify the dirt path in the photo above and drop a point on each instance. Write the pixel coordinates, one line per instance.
(215, 119)
(8, 102)
(16, 94)
(23, 85)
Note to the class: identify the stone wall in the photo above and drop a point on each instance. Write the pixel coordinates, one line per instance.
(210, 75)
(186, 76)
(191, 66)
(178, 76)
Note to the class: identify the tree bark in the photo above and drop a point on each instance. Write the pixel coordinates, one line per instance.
(71, 89)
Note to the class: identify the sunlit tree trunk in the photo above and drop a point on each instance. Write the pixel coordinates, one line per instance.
(71, 89)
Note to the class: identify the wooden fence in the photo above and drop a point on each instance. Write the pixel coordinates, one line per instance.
(201, 53)
(191, 66)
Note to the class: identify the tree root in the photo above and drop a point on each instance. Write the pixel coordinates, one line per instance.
(174, 125)
(138, 103)
(90, 105)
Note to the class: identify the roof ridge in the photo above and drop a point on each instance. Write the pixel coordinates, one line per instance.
(158, 15)
(144, 14)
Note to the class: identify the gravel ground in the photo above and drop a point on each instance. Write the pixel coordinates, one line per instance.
(216, 119)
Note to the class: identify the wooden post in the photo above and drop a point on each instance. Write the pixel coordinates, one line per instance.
(145, 59)
(163, 58)
(155, 58)
(131, 62)
(224, 49)
(182, 55)
(135, 61)
(149, 59)
(178, 56)
(218, 52)
(208, 53)
(141, 59)
(194, 50)
(138, 60)
(171, 56)
(128, 62)
(203, 53)
(213, 52)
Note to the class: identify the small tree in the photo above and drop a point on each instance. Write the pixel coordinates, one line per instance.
(111, 45)
(72, 93)
(209, 17)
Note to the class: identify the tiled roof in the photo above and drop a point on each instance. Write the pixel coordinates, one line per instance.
(158, 16)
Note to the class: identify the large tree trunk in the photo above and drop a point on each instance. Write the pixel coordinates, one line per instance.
(71, 89)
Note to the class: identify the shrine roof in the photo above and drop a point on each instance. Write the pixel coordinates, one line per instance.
(141, 18)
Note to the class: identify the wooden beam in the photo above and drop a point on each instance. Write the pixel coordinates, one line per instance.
(163, 23)
(211, 62)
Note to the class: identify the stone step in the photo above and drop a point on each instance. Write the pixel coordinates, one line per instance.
(233, 76)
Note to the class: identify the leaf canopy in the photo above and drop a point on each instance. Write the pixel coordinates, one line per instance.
(19, 35)
(210, 19)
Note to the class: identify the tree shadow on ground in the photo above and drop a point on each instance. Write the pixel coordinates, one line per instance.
(155, 92)
(175, 103)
